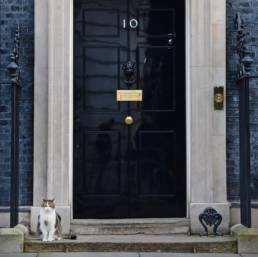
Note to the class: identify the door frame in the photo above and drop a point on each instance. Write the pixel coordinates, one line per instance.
(205, 128)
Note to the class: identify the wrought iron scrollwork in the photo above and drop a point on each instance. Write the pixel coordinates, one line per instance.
(129, 70)
(13, 67)
(243, 49)
(210, 217)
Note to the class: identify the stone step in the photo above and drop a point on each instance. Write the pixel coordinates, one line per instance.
(131, 226)
(136, 243)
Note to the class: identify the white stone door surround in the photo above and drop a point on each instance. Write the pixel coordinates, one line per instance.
(53, 107)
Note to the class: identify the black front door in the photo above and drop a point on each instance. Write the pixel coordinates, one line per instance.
(133, 170)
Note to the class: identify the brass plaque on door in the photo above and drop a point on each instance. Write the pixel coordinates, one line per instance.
(129, 95)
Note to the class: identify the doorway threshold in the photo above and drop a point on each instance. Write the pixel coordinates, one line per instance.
(148, 226)
(136, 243)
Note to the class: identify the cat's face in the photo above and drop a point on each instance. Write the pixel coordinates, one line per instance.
(48, 205)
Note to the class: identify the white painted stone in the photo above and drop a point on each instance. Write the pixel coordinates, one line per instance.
(197, 208)
(53, 107)
(40, 102)
(201, 33)
(218, 45)
(208, 127)
(53, 101)
(219, 170)
(201, 133)
(218, 13)
(60, 101)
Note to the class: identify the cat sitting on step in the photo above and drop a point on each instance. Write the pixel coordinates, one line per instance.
(49, 221)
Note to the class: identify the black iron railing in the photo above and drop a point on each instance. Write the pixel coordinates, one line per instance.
(14, 74)
(243, 82)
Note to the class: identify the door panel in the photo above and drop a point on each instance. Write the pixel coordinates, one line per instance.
(157, 77)
(100, 177)
(139, 170)
(147, 25)
(106, 26)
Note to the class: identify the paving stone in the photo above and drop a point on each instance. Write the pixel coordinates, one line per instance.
(18, 255)
(93, 254)
(249, 255)
(186, 255)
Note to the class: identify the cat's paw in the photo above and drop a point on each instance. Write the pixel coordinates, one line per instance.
(57, 237)
(44, 240)
(50, 239)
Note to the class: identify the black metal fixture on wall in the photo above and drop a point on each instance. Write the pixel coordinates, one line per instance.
(129, 70)
(14, 74)
(210, 217)
(243, 82)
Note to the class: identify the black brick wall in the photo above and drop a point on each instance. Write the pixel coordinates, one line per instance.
(13, 12)
(249, 12)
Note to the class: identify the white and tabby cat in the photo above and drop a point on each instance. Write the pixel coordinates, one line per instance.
(49, 221)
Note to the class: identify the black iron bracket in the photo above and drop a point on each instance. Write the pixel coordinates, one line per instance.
(243, 49)
(210, 217)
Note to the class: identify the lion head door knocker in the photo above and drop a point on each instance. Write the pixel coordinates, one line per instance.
(129, 70)
(210, 217)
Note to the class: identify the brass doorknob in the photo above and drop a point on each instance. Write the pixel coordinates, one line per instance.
(129, 120)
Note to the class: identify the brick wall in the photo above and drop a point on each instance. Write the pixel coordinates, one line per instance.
(249, 11)
(11, 13)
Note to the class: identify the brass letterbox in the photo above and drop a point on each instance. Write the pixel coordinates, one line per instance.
(129, 95)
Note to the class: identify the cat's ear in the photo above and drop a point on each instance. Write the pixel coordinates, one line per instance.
(53, 200)
(43, 202)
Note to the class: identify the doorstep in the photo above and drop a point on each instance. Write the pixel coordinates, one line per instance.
(146, 226)
(136, 243)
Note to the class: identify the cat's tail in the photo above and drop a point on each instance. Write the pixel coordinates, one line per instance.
(71, 236)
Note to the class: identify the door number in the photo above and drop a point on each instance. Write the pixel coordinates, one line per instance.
(133, 23)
